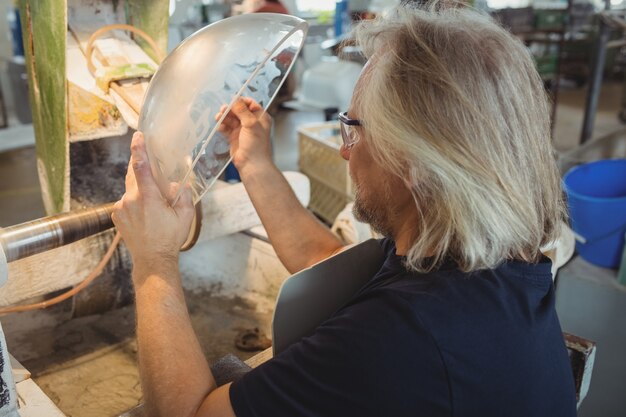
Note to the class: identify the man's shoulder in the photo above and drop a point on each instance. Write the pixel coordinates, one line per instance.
(448, 296)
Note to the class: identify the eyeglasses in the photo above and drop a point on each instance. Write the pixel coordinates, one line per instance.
(348, 131)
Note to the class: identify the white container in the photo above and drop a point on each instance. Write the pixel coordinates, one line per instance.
(329, 84)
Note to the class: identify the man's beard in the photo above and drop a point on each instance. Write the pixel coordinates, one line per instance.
(375, 210)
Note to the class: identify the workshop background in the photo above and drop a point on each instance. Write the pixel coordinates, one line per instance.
(78, 357)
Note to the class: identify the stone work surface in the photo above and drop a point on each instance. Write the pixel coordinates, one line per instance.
(88, 365)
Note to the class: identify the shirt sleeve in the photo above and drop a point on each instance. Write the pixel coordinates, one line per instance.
(372, 358)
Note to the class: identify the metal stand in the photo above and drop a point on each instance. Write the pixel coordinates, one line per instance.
(591, 105)
(41, 235)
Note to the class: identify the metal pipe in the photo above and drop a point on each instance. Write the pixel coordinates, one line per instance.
(31, 238)
(591, 105)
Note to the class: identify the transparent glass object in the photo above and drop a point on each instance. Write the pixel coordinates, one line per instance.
(248, 55)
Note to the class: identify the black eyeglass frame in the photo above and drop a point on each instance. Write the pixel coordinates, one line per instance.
(344, 122)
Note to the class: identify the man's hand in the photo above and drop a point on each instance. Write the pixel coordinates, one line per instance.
(153, 230)
(247, 128)
(299, 239)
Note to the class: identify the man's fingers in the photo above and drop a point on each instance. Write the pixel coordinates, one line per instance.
(220, 112)
(141, 165)
(131, 184)
(115, 214)
(230, 122)
(242, 111)
(185, 202)
(184, 207)
(172, 191)
(259, 112)
(265, 120)
(252, 104)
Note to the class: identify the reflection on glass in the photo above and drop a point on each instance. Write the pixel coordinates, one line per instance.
(247, 55)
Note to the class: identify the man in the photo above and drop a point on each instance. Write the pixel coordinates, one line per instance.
(271, 6)
(447, 141)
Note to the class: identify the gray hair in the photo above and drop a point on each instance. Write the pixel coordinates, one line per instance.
(455, 107)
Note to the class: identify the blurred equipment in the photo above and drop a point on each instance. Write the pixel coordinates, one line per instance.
(329, 84)
(18, 77)
(343, 21)
(607, 19)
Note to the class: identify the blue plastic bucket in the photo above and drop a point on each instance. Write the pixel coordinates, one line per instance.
(596, 194)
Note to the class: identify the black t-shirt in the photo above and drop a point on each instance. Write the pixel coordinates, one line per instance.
(445, 343)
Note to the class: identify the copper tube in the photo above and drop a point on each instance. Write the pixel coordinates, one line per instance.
(70, 293)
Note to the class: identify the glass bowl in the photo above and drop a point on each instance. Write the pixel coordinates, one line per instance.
(247, 55)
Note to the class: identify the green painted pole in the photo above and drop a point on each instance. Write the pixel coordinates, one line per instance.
(44, 28)
(151, 16)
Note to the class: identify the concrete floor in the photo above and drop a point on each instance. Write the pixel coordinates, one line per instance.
(570, 111)
(88, 365)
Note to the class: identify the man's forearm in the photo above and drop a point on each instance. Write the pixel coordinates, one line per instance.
(175, 375)
(297, 236)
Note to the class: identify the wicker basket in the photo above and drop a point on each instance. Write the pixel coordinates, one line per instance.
(331, 186)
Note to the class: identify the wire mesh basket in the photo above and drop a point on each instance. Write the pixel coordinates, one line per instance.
(319, 159)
